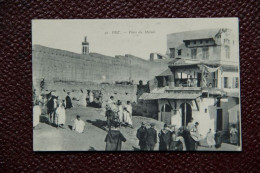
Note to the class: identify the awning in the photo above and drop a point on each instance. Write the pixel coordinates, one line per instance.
(233, 94)
(176, 96)
(167, 72)
(213, 91)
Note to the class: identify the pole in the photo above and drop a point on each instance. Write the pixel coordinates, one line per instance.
(185, 114)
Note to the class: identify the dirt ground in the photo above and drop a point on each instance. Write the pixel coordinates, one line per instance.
(49, 138)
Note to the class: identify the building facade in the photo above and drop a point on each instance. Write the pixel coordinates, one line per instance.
(203, 70)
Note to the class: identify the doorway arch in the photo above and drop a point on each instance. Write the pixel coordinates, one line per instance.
(166, 114)
(186, 114)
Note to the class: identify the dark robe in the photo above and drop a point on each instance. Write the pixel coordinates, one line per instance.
(192, 144)
(68, 102)
(194, 138)
(218, 139)
(141, 135)
(186, 136)
(110, 118)
(165, 138)
(151, 138)
(50, 106)
(114, 140)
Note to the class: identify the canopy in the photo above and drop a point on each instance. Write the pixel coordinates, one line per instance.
(180, 96)
(167, 72)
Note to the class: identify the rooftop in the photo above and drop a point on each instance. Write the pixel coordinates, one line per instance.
(175, 39)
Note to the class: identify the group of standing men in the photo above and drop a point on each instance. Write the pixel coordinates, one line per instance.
(116, 112)
(56, 112)
(56, 109)
(168, 140)
(147, 137)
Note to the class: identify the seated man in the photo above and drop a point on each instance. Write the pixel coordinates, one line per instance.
(78, 125)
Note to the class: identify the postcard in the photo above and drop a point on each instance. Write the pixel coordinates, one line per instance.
(136, 85)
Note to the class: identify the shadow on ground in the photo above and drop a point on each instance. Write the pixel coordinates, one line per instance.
(44, 119)
(70, 127)
(99, 123)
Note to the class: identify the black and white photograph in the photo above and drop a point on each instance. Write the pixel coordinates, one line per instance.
(136, 85)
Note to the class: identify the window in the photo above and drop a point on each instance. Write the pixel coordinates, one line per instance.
(194, 42)
(235, 82)
(225, 82)
(179, 52)
(200, 41)
(207, 41)
(227, 50)
(193, 53)
(205, 53)
(218, 104)
(172, 52)
(160, 81)
(226, 41)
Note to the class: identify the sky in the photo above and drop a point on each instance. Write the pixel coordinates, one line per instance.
(138, 37)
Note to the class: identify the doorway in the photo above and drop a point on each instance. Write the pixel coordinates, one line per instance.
(219, 119)
(199, 80)
(186, 114)
(166, 114)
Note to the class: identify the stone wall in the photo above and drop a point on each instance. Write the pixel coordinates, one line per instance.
(79, 90)
(56, 65)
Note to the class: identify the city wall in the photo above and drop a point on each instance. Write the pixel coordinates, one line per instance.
(65, 71)
(60, 65)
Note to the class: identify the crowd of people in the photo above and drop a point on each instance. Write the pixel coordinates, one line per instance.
(169, 140)
(56, 107)
(183, 139)
(116, 112)
(56, 112)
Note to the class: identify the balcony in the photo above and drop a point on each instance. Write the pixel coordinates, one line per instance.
(183, 88)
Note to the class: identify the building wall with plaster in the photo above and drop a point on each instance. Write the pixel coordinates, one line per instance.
(206, 115)
(60, 65)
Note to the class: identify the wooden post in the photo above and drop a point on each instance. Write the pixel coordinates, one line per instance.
(185, 114)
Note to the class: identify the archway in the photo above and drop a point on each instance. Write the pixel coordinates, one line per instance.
(166, 114)
(186, 114)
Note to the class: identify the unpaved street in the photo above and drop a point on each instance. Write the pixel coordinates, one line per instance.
(49, 138)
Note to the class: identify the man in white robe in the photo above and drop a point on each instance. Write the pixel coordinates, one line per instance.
(190, 125)
(83, 98)
(120, 111)
(78, 125)
(111, 104)
(61, 115)
(128, 114)
(36, 114)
